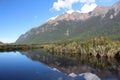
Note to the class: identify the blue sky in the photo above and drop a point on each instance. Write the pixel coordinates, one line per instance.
(19, 16)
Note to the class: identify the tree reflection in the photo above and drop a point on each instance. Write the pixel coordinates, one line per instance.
(104, 67)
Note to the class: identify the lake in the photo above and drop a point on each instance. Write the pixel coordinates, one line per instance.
(38, 65)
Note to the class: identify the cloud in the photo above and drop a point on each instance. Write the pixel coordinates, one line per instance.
(65, 4)
(88, 7)
(70, 11)
(87, 1)
(68, 4)
(73, 75)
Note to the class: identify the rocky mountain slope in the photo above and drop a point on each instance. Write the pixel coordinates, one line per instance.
(103, 20)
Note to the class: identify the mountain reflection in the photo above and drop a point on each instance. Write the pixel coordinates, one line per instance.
(102, 67)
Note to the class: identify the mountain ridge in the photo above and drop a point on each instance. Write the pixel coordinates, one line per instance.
(77, 25)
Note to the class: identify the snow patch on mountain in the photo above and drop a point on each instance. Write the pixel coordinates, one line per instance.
(53, 18)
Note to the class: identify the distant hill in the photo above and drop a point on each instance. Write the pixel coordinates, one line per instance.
(1, 42)
(103, 20)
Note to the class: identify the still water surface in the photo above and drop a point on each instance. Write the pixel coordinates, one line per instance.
(38, 65)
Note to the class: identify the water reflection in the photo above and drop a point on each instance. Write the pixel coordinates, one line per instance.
(105, 68)
(14, 66)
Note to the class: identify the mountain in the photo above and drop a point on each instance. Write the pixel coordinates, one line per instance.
(103, 20)
(1, 43)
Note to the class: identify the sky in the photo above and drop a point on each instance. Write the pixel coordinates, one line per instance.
(19, 16)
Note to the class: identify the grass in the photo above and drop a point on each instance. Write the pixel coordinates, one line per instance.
(99, 46)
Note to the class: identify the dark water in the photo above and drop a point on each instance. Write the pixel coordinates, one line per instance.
(38, 65)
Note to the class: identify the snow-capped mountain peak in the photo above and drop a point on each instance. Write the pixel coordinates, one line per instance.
(53, 18)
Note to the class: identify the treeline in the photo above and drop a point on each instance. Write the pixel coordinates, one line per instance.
(99, 46)
(18, 47)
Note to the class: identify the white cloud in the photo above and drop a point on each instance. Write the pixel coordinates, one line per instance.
(87, 1)
(88, 7)
(72, 74)
(70, 11)
(90, 76)
(68, 3)
(65, 4)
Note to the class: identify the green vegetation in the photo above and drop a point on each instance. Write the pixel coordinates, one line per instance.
(99, 46)
(18, 47)
(77, 29)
